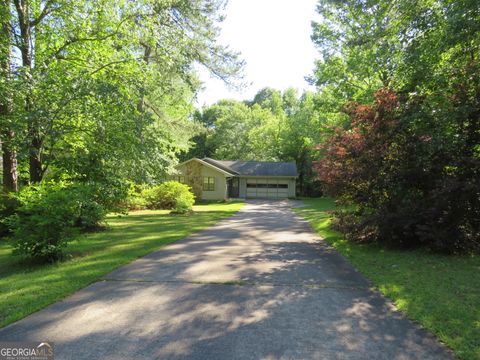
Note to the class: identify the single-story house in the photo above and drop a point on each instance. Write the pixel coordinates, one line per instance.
(217, 179)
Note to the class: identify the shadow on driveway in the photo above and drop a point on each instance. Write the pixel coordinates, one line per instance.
(260, 285)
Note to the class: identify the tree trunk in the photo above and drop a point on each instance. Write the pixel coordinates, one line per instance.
(35, 157)
(147, 51)
(35, 139)
(9, 162)
(7, 135)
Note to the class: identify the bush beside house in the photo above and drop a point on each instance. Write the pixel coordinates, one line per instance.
(170, 195)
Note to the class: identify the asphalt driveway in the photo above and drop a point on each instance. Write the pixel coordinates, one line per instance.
(260, 285)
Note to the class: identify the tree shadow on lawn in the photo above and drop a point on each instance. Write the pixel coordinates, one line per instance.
(26, 286)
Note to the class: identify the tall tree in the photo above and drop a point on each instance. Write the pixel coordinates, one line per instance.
(409, 161)
(7, 135)
(357, 47)
(114, 72)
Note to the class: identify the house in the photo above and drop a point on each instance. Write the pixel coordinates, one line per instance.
(217, 180)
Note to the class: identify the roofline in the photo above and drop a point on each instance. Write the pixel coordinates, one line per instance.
(257, 161)
(218, 164)
(206, 164)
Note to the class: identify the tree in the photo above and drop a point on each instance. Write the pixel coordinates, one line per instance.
(7, 135)
(301, 132)
(408, 158)
(358, 47)
(108, 84)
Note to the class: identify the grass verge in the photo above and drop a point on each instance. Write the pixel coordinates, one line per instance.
(440, 292)
(26, 288)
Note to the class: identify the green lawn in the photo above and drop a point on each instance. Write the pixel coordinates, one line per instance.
(27, 288)
(440, 292)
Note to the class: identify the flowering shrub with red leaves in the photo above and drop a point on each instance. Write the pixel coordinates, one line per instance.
(412, 175)
(353, 158)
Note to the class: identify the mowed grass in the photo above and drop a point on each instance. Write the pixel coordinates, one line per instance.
(25, 288)
(442, 293)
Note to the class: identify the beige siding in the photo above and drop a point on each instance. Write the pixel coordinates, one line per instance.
(220, 191)
(181, 170)
(292, 188)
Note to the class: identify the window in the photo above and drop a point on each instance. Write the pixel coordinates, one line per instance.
(180, 179)
(208, 183)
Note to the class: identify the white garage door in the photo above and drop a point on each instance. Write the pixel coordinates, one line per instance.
(267, 189)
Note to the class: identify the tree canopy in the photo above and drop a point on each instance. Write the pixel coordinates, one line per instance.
(405, 76)
(103, 86)
(393, 128)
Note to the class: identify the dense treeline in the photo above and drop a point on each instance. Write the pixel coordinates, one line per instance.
(97, 88)
(407, 154)
(97, 95)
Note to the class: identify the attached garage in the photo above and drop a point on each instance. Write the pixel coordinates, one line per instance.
(267, 188)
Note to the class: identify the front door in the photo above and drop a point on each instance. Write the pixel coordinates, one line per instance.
(233, 187)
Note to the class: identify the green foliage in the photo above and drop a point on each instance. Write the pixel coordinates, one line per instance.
(8, 206)
(51, 214)
(99, 92)
(135, 199)
(428, 193)
(184, 203)
(105, 86)
(232, 130)
(358, 51)
(406, 159)
(170, 195)
(45, 221)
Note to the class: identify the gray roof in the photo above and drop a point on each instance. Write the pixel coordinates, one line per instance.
(255, 168)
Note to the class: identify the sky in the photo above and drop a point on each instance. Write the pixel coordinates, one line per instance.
(273, 37)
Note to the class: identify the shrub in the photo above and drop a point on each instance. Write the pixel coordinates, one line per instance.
(170, 195)
(111, 193)
(136, 202)
(51, 214)
(184, 203)
(135, 199)
(45, 221)
(89, 210)
(8, 206)
(412, 183)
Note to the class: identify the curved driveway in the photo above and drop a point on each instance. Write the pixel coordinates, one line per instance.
(260, 285)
